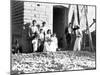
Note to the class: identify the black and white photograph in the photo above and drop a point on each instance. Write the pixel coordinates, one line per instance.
(51, 37)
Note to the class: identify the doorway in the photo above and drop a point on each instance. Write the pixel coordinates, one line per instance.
(60, 21)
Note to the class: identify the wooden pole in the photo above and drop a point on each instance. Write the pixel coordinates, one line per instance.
(91, 48)
(78, 16)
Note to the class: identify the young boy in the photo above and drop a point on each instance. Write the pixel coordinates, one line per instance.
(35, 42)
(41, 40)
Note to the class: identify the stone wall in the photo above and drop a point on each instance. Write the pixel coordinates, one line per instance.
(40, 12)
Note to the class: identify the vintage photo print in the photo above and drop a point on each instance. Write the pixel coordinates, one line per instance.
(52, 37)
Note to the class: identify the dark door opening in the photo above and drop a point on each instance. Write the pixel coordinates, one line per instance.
(60, 21)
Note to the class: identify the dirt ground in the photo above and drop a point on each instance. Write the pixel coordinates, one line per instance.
(52, 61)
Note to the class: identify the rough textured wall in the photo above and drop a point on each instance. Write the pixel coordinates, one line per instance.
(17, 8)
(38, 11)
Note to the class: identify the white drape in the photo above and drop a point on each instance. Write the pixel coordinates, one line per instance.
(90, 16)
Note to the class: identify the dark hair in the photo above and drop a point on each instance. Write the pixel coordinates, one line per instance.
(52, 35)
(76, 27)
(33, 21)
(38, 25)
(48, 30)
(43, 23)
(41, 29)
(70, 23)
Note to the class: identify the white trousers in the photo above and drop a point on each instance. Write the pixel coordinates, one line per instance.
(35, 44)
(77, 45)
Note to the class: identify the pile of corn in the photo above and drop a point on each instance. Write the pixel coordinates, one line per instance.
(52, 61)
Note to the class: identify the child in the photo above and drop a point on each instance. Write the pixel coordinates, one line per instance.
(47, 45)
(54, 43)
(35, 42)
(41, 40)
(41, 35)
(48, 35)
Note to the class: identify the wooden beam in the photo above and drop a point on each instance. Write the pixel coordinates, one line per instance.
(91, 48)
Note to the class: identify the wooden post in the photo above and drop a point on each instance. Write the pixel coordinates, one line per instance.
(91, 48)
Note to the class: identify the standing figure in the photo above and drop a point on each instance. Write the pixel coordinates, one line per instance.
(34, 28)
(25, 41)
(34, 35)
(68, 31)
(48, 34)
(48, 40)
(78, 41)
(38, 27)
(43, 27)
(41, 41)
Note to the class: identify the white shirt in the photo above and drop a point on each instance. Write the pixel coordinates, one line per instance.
(41, 36)
(34, 41)
(34, 29)
(69, 30)
(79, 32)
(44, 29)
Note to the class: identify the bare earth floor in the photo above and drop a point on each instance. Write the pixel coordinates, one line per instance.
(52, 61)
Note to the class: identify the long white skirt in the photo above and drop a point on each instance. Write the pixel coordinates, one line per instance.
(50, 47)
(35, 44)
(77, 45)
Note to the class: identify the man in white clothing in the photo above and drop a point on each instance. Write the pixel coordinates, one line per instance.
(41, 38)
(78, 41)
(34, 35)
(44, 27)
(34, 28)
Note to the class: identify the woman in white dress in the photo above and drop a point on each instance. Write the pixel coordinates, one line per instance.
(51, 44)
(54, 43)
(47, 42)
